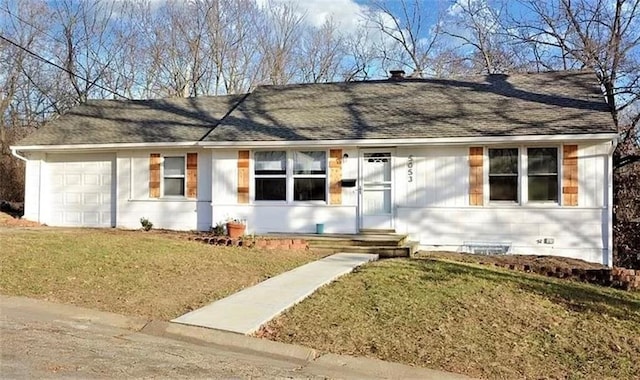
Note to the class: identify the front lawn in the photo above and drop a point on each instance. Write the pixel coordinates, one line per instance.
(150, 274)
(481, 321)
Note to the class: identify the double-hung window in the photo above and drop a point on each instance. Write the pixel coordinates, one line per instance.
(309, 176)
(270, 173)
(174, 176)
(291, 176)
(539, 177)
(542, 174)
(503, 174)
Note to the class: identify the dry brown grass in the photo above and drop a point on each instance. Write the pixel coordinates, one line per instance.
(7, 220)
(482, 321)
(157, 275)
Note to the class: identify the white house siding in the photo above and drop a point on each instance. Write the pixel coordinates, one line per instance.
(32, 187)
(433, 208)
(264, 217)
(576, 233)
(133, 201)
(439, 177)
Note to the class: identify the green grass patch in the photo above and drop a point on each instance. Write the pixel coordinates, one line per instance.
(483, 322)
(150, 274)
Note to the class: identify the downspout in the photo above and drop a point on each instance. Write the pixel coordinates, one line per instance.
(14, 152)
(614, 145)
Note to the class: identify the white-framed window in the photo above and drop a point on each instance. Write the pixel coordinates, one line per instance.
(310, 176)
(522, 174)
(270, 175)
(542, 174)
(173, 176)
(503, 174)
(290, 176)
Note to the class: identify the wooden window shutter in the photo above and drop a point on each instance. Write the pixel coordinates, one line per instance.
(243, 176)
(192, 175)
(476, 176)
(154, 175)
(570, 175)
(335, 176)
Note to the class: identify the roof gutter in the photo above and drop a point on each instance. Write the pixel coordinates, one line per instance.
(416, 141)
(110, 146)
(14, 152)
(327, 143)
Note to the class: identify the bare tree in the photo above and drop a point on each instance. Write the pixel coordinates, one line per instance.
(320, 52)
(281, 28)
(88, 50)
(410, 40)
(477, 25)
(21, 103)
(361, 56)
(241, 65)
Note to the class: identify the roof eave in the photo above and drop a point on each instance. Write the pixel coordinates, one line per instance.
(417, 141)
(109, 146)
(345, 142)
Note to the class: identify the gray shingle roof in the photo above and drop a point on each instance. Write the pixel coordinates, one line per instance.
(135, 121)
(494, 105)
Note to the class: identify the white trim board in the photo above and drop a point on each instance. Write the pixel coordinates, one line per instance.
(329, 143)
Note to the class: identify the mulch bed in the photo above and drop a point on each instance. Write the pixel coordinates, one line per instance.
(531, 260)
(551, 266)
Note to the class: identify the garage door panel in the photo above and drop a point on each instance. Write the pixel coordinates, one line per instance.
(72, 218)
(81, 190)
(72, 199)
(94, 199)
(92, 218)
(91, 179)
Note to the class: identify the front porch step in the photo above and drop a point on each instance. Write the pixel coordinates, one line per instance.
(358, 240)
(382, 251)
(383, 244)
(366, 231)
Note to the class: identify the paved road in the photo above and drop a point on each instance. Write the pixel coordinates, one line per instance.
(40, 339)
(34, 347)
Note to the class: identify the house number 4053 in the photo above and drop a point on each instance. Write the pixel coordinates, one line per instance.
(410, 168)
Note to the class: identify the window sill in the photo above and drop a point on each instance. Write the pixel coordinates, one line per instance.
(542, 204)
(291, 204)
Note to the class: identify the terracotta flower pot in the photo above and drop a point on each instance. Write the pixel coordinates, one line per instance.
(235, 230)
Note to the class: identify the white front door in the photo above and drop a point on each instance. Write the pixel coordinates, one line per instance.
(376, 190)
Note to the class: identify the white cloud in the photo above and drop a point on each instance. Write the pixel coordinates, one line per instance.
(346, 13)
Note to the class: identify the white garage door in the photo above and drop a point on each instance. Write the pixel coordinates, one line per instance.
(81, 190)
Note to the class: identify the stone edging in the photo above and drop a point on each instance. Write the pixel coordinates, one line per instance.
(248, 242)
(621, 278)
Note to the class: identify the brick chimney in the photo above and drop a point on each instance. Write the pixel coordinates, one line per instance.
(396, 74)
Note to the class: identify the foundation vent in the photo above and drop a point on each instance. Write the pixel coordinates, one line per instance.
(486, 247)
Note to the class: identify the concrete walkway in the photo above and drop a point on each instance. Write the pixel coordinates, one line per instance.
(244, 312)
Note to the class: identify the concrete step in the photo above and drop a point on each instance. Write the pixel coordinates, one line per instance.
(414, 247)
(365, 231)
(378, 241)
(381, 251)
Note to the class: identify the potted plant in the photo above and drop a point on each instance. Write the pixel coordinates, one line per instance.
(236, 227)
